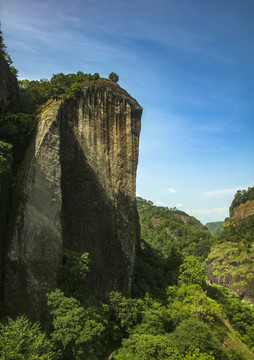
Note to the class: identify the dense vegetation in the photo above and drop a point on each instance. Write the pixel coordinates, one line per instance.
(163, 229)
(190, 321)
(241, 197)
(215, 227)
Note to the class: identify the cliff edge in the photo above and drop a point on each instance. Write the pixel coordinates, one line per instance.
(78, 193)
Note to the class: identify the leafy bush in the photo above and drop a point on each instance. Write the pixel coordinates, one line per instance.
(5, 159)
(22, 340)
(35, 93)
(127, 312)
(194, 333)
(17, 130)
(192, 272)
(78, 332)
(143, 347)
(73, 273)
(241, 197)
(190, 301)
(113, 77)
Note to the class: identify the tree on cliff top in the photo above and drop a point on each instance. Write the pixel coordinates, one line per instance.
(2, 45)
(113, 77)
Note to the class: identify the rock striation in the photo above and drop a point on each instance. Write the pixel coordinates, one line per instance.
(79, 193)
(242, 211)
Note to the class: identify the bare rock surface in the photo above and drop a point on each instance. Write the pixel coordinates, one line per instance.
(78, 192)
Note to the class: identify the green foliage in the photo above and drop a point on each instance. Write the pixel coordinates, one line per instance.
(154, 273)
(194, 333)
(17, 130)
(240, 314)
(127, 312)
(78, 332)
(73, 273)
(6, 159)
(6, 55)
(35, 93)
(215, 227)
(192, 272)
(243, 232)
(241, 197)
(190, 301)
(22, 340)
(2, 45)
(75, 89)
(156, 319)
(163, 229)
(193, 354)
(143, 347)
(113, 77)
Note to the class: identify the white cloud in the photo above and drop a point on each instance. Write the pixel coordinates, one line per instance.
(216, 211)
(160, 203)
(179, 205)
(225, 192)
(221, 192)
(171, 190)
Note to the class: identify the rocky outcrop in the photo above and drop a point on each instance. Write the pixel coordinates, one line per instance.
(79, 191)
(188, 220)
(231, 263)
(242, 211)
(223, 272)
(8, 89)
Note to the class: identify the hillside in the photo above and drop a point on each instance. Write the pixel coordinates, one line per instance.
(215, 227)
(163, 229)
(231, 261)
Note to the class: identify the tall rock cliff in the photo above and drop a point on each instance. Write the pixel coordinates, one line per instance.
(78, 192)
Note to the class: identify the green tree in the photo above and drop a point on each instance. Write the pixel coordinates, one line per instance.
(5, 159)
(192, 272)
(144, 347)
(113, 77)
(194, 333)
(22, 340)
(2, 45)
(79, 332)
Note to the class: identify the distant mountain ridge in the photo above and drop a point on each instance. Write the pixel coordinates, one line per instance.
(163, 229)
(215, 227)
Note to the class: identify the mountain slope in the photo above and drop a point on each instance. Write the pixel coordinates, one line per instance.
(163, 229)
(231, 261)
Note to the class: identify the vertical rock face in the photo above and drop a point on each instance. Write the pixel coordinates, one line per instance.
(79, 193)
(242, 211)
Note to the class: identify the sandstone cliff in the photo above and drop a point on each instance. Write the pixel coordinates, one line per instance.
(78, 192)
(236, 273)
(242, 211)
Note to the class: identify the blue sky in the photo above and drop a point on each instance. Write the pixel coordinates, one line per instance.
(190, 65)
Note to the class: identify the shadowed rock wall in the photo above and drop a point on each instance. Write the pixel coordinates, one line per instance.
(79, 189)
